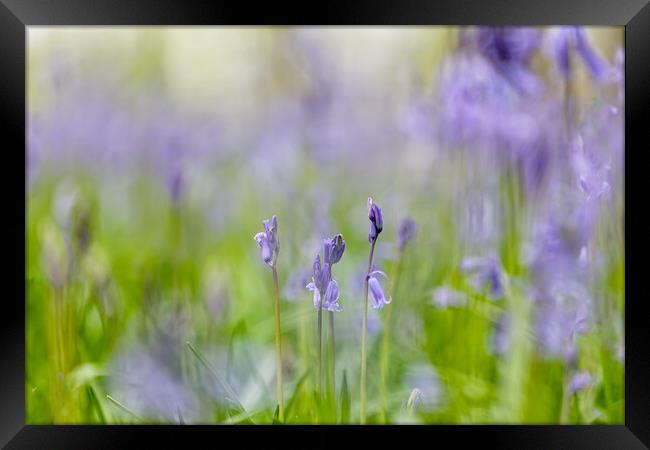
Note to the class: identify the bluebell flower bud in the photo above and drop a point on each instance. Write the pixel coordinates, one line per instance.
(376, 220)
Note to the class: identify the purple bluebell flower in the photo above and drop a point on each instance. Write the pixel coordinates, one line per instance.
(508, 44)
(376, 290)
(331, 299)
(509, 49)
(487, 272)
(562, 314)
(333, 249)
(376, 220)
(175, 183)
(580, 381)
(564, 41)
(294, 289)
(148, 386)
(319, 281)
(445, 297)
(268, 241)
(405, 233)
(325, 289)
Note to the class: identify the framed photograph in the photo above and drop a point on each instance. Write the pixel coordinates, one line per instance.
(369, 220)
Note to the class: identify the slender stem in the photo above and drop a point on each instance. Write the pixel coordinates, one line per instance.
(333, 355)
(278, 346)
(386, 342)
(363, 338)
(319, 352)
(566, 398)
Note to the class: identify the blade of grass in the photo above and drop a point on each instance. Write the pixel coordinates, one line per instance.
(230, 393)
(296, 393)
(123, 408)
(345, 400)
(94, 401)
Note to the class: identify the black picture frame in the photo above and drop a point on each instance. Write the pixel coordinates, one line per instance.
(17, 15)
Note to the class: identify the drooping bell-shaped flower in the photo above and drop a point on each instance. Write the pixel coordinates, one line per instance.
(325, 289)
(379, 299)
(331, 299)
(268, 241)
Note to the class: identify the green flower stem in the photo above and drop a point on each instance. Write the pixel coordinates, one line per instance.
(364, 333)
(278, 346)
(319, 352)
(333, 356)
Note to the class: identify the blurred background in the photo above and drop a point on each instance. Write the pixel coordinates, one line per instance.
(154, 154)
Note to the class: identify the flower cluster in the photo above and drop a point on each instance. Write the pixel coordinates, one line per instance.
(324, 287)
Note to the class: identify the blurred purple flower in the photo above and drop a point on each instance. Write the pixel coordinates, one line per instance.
(509, 49)
(564, 41)
(487, 272)
(294, 288)
(562, 314)
(501, 336)
(150, 389)
(405, 233)
(445, 297)
(268, 241)
(580, 381)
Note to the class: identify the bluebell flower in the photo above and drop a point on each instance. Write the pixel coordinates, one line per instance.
(268, 241)
(487, 273)
(325, 289)
(564, 41)
(333, 249)
(580, 381)
(376, 220)
(376, 290)
(331, 299)
(509, 49)
(446, 297)
(405, 233)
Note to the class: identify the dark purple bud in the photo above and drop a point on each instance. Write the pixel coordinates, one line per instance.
(376, 220)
